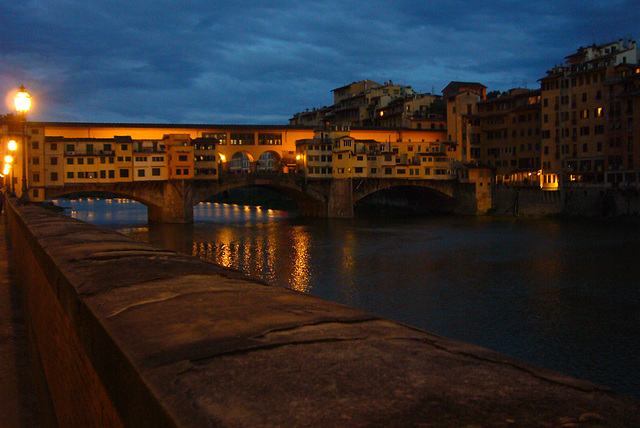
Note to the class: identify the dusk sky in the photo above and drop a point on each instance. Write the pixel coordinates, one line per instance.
(257, 62)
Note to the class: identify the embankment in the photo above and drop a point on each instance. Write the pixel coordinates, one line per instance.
(131, 335)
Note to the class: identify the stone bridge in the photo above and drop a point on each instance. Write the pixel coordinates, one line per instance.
(173, 201)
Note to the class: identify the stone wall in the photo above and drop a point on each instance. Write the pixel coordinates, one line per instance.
(579, 201)
(132, 335)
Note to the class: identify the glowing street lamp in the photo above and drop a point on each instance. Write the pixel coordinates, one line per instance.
(12, 148)
(23, 102)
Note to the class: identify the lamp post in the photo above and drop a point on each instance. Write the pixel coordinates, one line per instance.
(23, 102)
(8, 160)
(12, 148)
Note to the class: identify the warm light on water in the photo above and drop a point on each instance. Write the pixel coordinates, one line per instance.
(562, 295)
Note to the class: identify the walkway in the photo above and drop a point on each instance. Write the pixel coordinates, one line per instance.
(18, 404)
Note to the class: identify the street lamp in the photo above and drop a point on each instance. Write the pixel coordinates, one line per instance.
(12, 148)
(8, 160)
(7, 167)
(23, 102)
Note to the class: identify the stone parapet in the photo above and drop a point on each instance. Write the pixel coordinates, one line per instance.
(132, 335)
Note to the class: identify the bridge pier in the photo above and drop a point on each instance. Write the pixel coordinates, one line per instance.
(177, 204)
(340, 203)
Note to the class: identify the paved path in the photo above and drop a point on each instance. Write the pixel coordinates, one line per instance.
(18, 404)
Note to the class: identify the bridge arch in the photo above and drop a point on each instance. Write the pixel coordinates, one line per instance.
(241, 161)
(120, 191)
(269, 161)
(166, 201)
(311, 201)
(420, 195)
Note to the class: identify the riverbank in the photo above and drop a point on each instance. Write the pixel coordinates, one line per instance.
(306, 353)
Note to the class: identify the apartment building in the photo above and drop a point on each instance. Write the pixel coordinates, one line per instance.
(462, 129)
(622, 135)
(363, 103)
(510, 136)
(584, 140)
(344, 152)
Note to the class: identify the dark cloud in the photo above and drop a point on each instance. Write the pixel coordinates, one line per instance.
(260, 62)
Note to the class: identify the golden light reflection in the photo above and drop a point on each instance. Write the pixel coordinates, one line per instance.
(348, 265)
(300, 276)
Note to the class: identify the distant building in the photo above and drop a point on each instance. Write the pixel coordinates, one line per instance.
(370, 104)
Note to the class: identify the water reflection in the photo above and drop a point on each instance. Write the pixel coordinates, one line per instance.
(562, 295)
(299, 279)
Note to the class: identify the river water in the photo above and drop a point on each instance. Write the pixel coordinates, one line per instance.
(560, 294)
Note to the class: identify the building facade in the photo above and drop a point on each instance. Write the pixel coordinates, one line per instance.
(584, 105)
(510, 136)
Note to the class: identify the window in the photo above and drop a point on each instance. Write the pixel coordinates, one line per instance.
(182, 158)
(36, 178)
(90, 161)
(120, 159)
(387, 171)
(359, 170)
(80, 161)
(141, 173)
(70, 148)
(242, 139)
(269, 139)
(103, 173)
(124, 173)
(178, 171)
(185, 171)
(123, 147)
(35, 145)
(112, 173)
(221, 137)
(80, 174)
(155, 172)
(69, 174)
(54, 147)
(54, 176)
(35, 161)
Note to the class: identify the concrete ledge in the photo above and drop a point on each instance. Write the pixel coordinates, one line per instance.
(131, 335)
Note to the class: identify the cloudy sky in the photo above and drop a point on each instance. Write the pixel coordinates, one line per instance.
(259, 62)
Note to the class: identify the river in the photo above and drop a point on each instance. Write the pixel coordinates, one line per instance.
(560, 294)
